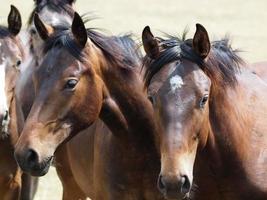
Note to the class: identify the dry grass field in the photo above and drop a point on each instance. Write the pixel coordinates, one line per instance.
(245, 21)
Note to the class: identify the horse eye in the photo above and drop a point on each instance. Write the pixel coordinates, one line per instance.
(70, 84)
(151, 99)
(203, 101)
(18, 63)
(33, 31)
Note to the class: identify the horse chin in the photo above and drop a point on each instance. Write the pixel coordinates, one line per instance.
(175, 196)
(40, 169)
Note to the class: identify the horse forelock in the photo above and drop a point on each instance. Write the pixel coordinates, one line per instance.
(221, 65)
(58, 6)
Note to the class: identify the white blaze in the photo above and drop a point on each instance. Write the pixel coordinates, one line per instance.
(176, 82)
(3, 99)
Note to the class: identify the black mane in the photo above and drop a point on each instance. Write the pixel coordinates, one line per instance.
(221, 66)
(59, 6)
(121, 50)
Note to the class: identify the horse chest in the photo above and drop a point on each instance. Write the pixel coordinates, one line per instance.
(129, 173)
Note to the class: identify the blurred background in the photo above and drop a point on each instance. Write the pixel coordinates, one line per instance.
(245, 21)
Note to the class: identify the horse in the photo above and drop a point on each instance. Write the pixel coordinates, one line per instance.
(87, 79)
(57, 14)
(11, 120)
(54, 13)
(212, 113)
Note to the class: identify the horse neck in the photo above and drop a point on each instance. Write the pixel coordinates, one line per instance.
(234, 149)
(133, 111)
(231, 123)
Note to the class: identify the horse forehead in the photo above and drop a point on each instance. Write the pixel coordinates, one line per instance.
(176, 82)
(160, 78)
(182, 87)
(201, 80)
(9, 47)
(54, 18)
(185, 77)
(56, 62)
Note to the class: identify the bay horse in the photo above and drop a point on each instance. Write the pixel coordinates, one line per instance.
(213, 115)
(90, 80)
(57, 14)
(54, 13)
(11, 120)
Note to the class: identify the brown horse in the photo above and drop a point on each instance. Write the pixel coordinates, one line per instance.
(11, 120)
(54, 13)
(57, 14)
(213, 115)
(84, 77)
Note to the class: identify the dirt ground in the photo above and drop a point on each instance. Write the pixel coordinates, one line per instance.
(244, 21)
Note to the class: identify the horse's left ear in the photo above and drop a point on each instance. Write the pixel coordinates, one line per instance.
(44, 30)
(78, 30)
(14, 21)
(201, 42)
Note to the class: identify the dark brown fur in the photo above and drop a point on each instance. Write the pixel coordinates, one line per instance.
(213, 118)
(122, 164)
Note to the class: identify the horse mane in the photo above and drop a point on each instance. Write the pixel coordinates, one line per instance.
(221, 65)
(59, 6)
(4, 32)
(121, 51)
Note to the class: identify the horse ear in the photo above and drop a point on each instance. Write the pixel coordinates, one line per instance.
(71, 2)
(201, 42)
(37, 2)
(78, 30)
(43, 30)
(14, 21)
(150, 43)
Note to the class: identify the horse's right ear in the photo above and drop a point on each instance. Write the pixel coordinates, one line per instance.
(78, 30)
(43, 30)
(150, 43)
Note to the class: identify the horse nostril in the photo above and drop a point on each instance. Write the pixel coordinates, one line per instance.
(31, 157)
(185, 184)
(161, 184)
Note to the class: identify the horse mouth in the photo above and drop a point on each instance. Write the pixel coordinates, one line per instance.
(40, 169)
(174, 195)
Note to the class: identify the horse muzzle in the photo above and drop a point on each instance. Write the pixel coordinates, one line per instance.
(29, 161)
(177, 187)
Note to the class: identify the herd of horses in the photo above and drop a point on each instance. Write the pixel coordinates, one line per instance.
(186, 121)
